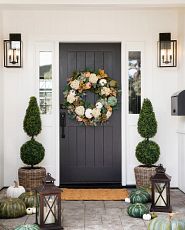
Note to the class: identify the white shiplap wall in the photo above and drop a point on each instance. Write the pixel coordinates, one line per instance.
(137, 26)
(1, 110)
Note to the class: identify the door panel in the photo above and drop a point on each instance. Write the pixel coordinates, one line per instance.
(90, 155)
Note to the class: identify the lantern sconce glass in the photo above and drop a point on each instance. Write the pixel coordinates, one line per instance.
(13, 51)
(167, 51)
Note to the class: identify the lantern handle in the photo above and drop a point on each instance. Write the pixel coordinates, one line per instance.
(48, 179)
(160, 169)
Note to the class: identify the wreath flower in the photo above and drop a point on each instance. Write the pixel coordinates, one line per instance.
(97, 82)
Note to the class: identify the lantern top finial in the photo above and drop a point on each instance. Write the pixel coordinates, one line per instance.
(160, 169)
(49, 179)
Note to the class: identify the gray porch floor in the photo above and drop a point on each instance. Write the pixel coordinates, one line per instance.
(99, 215)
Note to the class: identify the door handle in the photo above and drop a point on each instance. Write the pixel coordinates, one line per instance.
(63, 123)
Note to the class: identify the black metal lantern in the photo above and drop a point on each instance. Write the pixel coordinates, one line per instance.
(48, 208)
(167, 51)
(161, 191)
(13, 51)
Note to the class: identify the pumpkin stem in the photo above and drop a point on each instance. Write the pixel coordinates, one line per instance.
(16, 184)
(170, 215)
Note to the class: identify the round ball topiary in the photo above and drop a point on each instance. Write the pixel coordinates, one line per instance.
(147, 152)
(32, 152)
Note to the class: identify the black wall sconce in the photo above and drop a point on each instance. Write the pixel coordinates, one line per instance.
(167, 51)
(13, 51)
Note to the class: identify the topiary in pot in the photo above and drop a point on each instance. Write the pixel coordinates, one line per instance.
(32, 152)
(147, 151)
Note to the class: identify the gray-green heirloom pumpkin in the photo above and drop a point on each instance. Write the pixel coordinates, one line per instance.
(137, 210)
(28, 227)
(29, 198)
(139, 196)
(167, 223)
(12, 208)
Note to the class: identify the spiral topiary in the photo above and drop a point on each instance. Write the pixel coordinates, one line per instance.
(147, 151)
(32, 152)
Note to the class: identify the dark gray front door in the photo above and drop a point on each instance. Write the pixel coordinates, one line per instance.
(90, 155)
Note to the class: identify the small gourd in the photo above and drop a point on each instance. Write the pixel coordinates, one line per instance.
(147, 217)
(167, 223)
(29, 198)
(12, 208)
(139, 196)
(127, 200)
(29, 211)
(15, 191)
(33, 210)
(28, 227)
(137, 210)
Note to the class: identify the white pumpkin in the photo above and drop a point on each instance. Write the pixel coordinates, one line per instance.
(29, 211)
(127, 200)
(15, 191)
(33, 210)
(147, 217)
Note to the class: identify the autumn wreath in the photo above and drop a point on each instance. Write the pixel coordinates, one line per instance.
(75, 97)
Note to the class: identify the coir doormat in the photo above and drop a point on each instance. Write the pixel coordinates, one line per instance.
(94, 194)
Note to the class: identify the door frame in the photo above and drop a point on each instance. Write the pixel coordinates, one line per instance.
(124, 98)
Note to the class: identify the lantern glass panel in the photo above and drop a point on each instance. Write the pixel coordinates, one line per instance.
(50, 209)
(38, 211)
(160, 194)
(167, 53)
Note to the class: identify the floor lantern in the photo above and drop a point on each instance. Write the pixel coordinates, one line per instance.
(161, 191)
(48, 208)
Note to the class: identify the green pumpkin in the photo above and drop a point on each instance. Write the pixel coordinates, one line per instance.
(29, 198)
(167, 223)
(28, 227)
(12, 208)
(139, 196)
(137, 210)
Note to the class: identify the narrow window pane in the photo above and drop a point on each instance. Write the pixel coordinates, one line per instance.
(134, 74)
(45, 82)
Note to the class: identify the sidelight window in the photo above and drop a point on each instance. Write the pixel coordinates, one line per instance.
(134, 78)
(45, 82)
